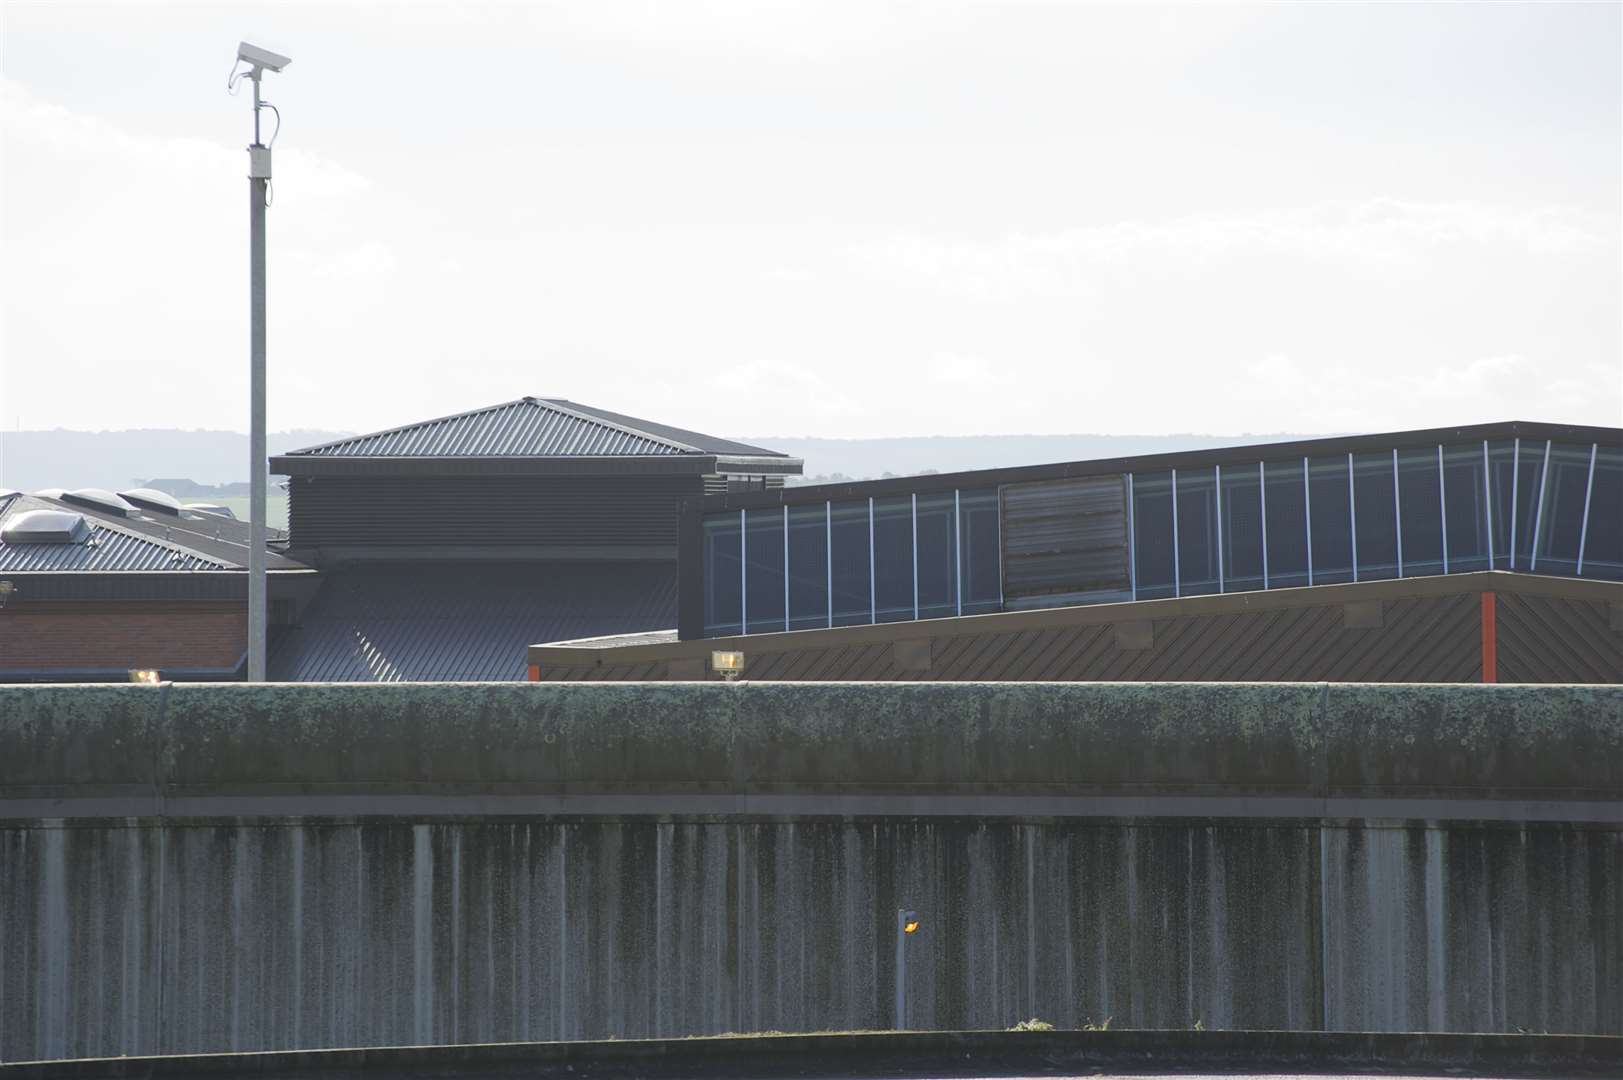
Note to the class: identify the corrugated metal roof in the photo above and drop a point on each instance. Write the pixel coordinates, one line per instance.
(531, 427)
(119, 543)
(108, 548)
(465, 622)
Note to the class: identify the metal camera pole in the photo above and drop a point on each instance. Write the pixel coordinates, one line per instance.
(259, 176)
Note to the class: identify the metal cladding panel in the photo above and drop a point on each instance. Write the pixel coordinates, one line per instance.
(107, 549)
(1547, 639)
(485, 511)
(463, 622)
(1064, 537)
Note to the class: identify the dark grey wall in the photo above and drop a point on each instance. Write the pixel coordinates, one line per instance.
(320, 866)
(240, 936)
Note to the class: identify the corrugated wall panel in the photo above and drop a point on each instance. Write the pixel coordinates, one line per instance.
(1065, 537)
(1553, 640)
(1421, 639)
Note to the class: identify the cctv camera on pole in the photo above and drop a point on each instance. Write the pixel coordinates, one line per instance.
(259, 61)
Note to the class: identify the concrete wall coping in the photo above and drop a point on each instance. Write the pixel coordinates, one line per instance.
(124, 750)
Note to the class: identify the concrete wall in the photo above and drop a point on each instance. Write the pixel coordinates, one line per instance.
(222, 913)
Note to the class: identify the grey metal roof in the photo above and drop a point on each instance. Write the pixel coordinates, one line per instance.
(109, 547)
(121, 543)
(402, 622)
(532, 427)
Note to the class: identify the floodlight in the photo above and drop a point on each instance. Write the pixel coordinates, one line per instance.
(261, 58)
(728, 664)
(145, 676)
(910, 922)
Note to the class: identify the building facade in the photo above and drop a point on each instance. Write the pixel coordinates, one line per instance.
(1486, 553)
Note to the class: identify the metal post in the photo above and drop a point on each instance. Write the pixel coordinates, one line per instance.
(1307, 516)
(1132, 539)
(1262, 511)
(1589, 489)
(1515, 494)
(1397, 511)
(915, 556)
(901, 969)
(259, 174)
(1538, 514)
(1177, 575)
(1217, 473)
(786, 567)
(1442, 499)
(958, 552)
(1352, 514)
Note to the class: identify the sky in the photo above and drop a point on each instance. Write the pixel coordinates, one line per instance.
(854, 220)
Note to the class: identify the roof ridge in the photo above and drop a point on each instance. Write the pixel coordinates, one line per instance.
(560, 404)
(408, 427)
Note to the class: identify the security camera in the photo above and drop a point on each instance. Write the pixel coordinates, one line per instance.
(261, 58)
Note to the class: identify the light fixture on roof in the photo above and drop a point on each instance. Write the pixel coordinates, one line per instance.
(45, 527)
(144, 676)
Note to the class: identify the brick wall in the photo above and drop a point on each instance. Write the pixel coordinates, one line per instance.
(75, 635)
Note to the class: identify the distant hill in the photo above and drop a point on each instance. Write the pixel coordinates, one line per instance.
(30, 460)
(863, 459)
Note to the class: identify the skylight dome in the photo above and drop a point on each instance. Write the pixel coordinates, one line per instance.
(46, 527)
(97, 499)
(212, 508)
(152, 499)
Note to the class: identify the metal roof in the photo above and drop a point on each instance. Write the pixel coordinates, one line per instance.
(108, 547)
(403, 622)
(121, 543)
(1248, 454)
(532, 427)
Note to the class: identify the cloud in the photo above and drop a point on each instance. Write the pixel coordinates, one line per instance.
(1378, 236)
(1345, 396)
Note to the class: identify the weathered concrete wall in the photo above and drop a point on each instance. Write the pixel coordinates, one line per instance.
(224, 913)
(218, 936)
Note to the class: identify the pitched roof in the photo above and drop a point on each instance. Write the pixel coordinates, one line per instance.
(148, 542)
(107, 547)
(533, 427)
(403, 622)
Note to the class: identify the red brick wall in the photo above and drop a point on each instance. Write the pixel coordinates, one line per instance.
(130, 634)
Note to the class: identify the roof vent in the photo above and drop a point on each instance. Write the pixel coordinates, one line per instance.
(152, 499)
(45, 527)
(97, 499)
(212, 508)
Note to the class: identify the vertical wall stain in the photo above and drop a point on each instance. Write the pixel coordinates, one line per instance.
(377, 933)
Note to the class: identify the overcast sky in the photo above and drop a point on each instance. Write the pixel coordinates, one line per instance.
(849, 220)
